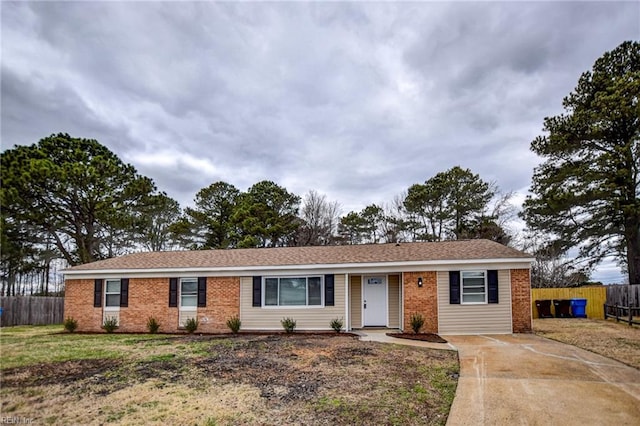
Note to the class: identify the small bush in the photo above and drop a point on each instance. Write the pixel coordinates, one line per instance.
(153, 325)
(417, 321)
(337, 324)
(234, 324)
(191, 325)
(70, 324)
(110, 324)
(289, 324)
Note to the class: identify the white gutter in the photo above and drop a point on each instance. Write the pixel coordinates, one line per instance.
(371, 267)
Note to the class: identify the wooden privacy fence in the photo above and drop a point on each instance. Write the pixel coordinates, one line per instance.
(624, 295)
(596, 298)
(623, 303)
(31, 310)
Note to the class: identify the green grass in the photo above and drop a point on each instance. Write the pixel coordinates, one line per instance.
(28, 345)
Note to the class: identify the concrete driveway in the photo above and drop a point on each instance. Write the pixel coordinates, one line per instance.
(528, 380)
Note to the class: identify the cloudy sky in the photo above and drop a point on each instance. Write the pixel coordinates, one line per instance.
(354, 100)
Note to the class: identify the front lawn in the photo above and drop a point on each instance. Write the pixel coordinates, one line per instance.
(58, 378)
(605, 337)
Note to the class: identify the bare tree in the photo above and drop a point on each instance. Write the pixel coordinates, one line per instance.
(552, 268)
(320, 219)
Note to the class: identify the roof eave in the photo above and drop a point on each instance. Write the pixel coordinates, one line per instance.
(253, 270)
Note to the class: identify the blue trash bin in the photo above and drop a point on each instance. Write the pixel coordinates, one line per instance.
(578, 308)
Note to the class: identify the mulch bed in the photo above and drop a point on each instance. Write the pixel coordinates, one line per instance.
(425, 337)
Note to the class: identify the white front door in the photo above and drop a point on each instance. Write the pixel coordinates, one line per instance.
(375, 301)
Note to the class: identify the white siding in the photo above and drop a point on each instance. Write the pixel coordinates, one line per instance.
(307, 318)
(490, 318)
(108, 314)
(185, 316)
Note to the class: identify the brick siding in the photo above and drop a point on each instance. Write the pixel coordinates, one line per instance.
(521, 300)
(421, 300)
(223, 302)
(78, 304)
(149, 297)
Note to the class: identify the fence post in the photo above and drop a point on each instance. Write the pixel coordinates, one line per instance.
(629, 304)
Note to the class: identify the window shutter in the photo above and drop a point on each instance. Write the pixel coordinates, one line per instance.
(454, 287)
(492, 280)
(173, 292)
(202, 292)
(97, 293)
(257, 291)
(124, 292)
(329, 290)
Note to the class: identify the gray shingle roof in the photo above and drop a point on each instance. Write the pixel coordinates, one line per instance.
(318, 255)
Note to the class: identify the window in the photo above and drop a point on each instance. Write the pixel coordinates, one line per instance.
(296, 291)
(112, 294)
(189, 293)
(474, 287)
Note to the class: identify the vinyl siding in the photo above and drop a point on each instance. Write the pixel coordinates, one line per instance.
(394, 301)
(110, 314)
(184, 316)
(307, 318)
(355, 296)
(475, 319)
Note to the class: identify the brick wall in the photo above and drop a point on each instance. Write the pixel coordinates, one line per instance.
(78, 304)
(521, 300)
(422, 300)
(149, 297)
(223, 302)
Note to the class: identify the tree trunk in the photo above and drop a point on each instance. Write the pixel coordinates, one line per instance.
(632, 235)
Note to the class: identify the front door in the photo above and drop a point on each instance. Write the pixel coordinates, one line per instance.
(375, 301)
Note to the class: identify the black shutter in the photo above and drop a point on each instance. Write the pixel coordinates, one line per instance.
(124, 292)
(257, 291)
(202, 292)
(454, 287)
(492, 280)
(173, 292)
(97, 293)
(329, 290)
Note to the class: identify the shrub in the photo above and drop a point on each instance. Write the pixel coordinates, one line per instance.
(191, 325)
(70, 324)
(289, 324)
(234, 324)
(417, 321)
(110, 324)
(153, 325)
(337, 324)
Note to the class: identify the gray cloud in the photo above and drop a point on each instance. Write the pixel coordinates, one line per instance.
(354, 100)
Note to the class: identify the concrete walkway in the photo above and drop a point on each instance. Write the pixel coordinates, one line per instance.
(381, 336)
(528, 380)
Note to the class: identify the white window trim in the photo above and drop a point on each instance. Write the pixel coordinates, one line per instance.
(187, 308)
(264, 293)
(486, 288)
(104, 295)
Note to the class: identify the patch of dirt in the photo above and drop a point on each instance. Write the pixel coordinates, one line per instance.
(55, 373)
(618, 341)
(424, 337)
(249, 379)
